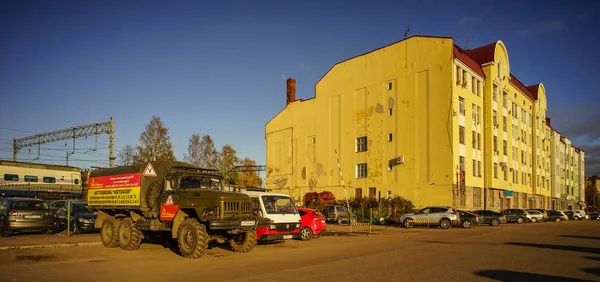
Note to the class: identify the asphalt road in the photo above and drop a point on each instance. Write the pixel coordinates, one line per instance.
(529, 252)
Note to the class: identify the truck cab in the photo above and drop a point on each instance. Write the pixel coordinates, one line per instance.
(283, 218)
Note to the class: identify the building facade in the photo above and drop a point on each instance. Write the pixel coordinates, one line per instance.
(420, 118)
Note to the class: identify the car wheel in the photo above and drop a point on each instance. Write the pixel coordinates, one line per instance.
(407, 223)
(534, 220)
(495, 222)
(520, 220)
(339, 221)
(4, 232)
(305, 234)
(466, 224)
(130, 237)
(557, 219)
(75, 228)
(445, 224)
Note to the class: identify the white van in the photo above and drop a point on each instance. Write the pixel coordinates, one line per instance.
(280, 209)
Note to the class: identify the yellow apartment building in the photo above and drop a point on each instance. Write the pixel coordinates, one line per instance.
(420, 118)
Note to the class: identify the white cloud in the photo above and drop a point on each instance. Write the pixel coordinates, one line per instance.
(549, 27)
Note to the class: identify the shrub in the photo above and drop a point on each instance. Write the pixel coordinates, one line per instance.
(397, 206)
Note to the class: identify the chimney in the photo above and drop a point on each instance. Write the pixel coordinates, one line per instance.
(290, 90)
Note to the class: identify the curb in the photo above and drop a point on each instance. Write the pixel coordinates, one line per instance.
(8, 248)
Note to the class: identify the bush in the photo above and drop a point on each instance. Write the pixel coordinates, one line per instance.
(397, 206)
(314, 199)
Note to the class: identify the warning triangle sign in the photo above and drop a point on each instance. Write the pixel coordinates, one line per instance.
(149, 170)
(169, 200)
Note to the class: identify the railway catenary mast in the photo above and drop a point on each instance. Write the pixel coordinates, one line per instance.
(106, 127)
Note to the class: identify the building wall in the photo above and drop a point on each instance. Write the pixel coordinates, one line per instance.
(404, 90)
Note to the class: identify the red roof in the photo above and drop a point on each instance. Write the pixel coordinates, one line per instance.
(521, 87)
(467, 60)
(534, 90)
(483, 54)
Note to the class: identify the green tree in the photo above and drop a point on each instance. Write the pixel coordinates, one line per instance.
(155, 143)
(194, 155)
(227, 162)
(209, 155)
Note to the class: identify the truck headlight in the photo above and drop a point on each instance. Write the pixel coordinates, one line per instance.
(272, 226)
(84, 220)
(297, 225)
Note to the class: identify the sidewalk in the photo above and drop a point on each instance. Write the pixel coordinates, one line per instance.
(29, 241)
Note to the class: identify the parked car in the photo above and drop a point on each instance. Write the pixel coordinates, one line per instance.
(490, 217)
(594, 216)
(442, 216)
(555, 215)
(336, 213)
(24, 214)
(313, 223)
(582, 214)
(82, 218)
(543, 211)
(536, 216)
(516, 215)
(468, 219)
(571, 215)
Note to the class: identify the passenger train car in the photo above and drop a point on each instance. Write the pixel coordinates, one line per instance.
(19, 179)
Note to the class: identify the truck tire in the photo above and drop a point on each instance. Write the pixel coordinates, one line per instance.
(130, 237)
(243, 242)
(192, 238)
(109, 232)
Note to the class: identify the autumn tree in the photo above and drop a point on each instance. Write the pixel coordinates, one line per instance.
(227, 161)
(155, 143)
(126, 156)
(248, 178)
(202, 152)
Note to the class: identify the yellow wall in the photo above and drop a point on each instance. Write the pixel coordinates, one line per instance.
(352, 100)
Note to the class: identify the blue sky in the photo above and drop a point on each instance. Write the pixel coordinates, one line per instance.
(220, 69)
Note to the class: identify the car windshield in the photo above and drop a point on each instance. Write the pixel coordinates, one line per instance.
(29, 205)
(279, 205)
(318, 213)
(202, 182)
(81, 208)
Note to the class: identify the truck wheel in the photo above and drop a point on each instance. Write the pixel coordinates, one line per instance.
(243, 242)
(192, 238)
(109, 232)
(130, 237)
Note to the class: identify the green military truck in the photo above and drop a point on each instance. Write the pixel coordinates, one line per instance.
(179, 199)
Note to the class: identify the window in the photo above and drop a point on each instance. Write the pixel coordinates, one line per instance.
(31, 178)
(11, 177)
(389, 137)
(495, 170)
(479, 168)
(76, 181)
(357, 193)
(474, 167)
(461, 161)
(478, 114)
(458, 73)
(479, 141)
(464, 78)
(361, 144)
(478, 88)
(500, 69)
(361, 170)
(474, 139)
(474, 112)
(461, 134)
(47, 179)
(474, 85)
(389, 86)
(504, 101)
(372, 193)
(476, 196)
(461, 105)
(390, 111)
(504, 123)
(495, 144)
(495, 118)
(505, 147)
(495, 93)
(505, 173)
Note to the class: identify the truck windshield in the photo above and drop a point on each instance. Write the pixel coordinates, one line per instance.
(279, 205)
(202, 182)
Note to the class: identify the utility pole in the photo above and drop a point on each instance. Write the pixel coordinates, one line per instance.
(107, 127)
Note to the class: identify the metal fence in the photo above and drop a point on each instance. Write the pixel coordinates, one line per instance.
(41, 191)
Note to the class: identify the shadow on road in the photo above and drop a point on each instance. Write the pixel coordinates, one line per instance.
(590, 250)
(591, 258)
(592, 270)
(508, 275)
(580, 237)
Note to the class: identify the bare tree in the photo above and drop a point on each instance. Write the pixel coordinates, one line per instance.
(194, 155)
(227, 162)
(202, 152)
(155, 143)
(126, 156)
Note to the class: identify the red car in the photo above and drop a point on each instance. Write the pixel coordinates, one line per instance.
(313, 223)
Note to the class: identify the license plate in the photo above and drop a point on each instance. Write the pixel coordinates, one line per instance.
(248, 223)
(288, 236)
(33, 216)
